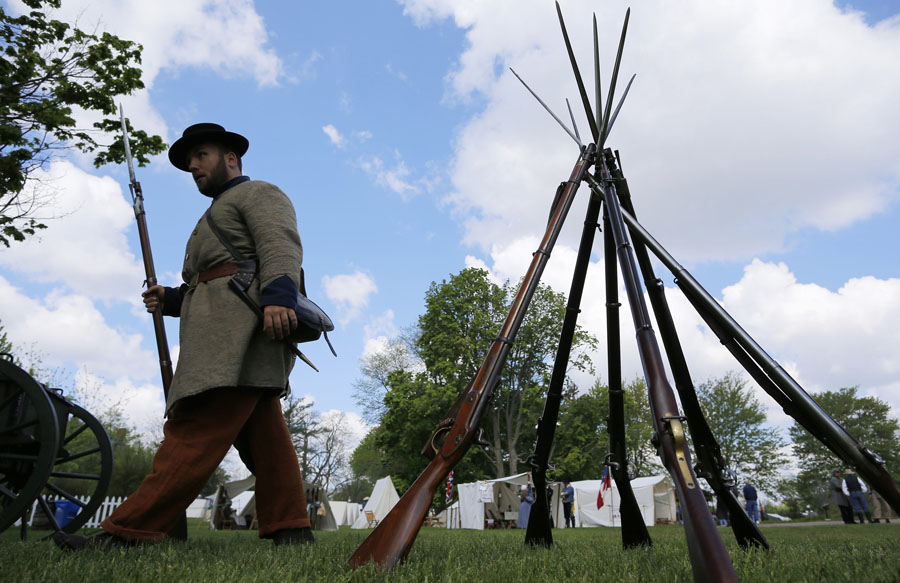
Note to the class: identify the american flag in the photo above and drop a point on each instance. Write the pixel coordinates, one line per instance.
(605, 486)
(449, 493)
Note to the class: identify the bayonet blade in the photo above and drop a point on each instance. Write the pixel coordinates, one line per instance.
(598, 87)
(572, 116)
(126, 144)
(550, 111)
(612, 120)
(595, 131)
(612, 82)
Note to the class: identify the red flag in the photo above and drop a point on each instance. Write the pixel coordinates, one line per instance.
(449, 491)
(606, 478)
(599, 499)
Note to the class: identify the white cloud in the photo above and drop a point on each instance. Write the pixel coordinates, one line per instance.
(70, 330)
(395, 179)
(141, 405)
(86, 249)
(747, 121)
(308, 68)
(350, 292)
(395, 73)
(228, 36)
(381, 326)
(334, 136)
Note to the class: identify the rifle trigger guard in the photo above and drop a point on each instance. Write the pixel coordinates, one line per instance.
(431, 448)
(676, 428)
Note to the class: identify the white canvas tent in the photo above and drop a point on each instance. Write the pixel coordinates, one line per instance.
(491, 500)
(449, 517)
(655, 496)
(200, 508)
(382, 499)
(243, 501)
(346, 513)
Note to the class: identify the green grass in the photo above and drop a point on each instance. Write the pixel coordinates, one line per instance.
(854, 554)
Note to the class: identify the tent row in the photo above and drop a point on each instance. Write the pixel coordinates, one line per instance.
(495, 503)
(236, 501)
(482, 504)
(241, 500)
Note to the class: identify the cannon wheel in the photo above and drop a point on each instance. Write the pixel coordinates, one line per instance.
(29, 438)
(84, 464)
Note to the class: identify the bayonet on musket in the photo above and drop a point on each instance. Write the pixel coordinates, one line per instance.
(604, 131)
(545, 106)
(572, 117)
(581, 91)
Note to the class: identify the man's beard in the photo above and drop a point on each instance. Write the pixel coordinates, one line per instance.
(215, 180)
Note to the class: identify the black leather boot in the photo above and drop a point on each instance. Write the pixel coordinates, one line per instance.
(293, 536)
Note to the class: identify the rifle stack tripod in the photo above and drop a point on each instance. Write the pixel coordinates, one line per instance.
(627, 244)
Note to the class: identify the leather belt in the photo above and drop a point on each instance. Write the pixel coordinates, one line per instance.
(217, 272)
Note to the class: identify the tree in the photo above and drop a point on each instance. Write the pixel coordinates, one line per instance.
(367, 466)
(751, 448)
(49, 70)
(218, 478)
(6, 346)
(321, 441)
(582, 441)
(376, 368)
(865, 418)
(461, 320)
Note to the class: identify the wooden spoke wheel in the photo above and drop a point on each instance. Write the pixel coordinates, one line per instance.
(83, 466)
(29, 438)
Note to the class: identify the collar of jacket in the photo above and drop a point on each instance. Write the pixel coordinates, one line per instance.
(232, 183)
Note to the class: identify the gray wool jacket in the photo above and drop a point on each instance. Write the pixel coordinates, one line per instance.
(222, 343)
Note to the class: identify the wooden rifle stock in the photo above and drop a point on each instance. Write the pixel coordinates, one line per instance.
(392, 539)
(711, 464)
(709, 559)
(773, 378)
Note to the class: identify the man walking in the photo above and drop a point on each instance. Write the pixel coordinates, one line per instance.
(855, 490)
(751, 502)
(568, 499)
(840, 499)
(232, 368)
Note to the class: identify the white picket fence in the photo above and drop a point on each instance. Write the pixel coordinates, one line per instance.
(106, 508)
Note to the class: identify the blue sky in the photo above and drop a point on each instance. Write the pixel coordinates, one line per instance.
(761, 141)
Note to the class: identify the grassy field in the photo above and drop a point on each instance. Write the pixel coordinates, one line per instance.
(855, 554)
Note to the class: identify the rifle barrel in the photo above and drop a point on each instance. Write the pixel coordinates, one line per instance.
(159, 328)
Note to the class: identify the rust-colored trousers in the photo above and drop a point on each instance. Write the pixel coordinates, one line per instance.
(197, 435)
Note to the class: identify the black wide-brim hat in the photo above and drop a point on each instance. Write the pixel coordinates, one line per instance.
(205, 132)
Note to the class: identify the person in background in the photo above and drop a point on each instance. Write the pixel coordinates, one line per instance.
(855, 490)
(527, 499)
(843, 503)
(881, 510)
(568, 500)
(751, 501)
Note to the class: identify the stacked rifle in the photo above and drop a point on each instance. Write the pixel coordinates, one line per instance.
(627, 245)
